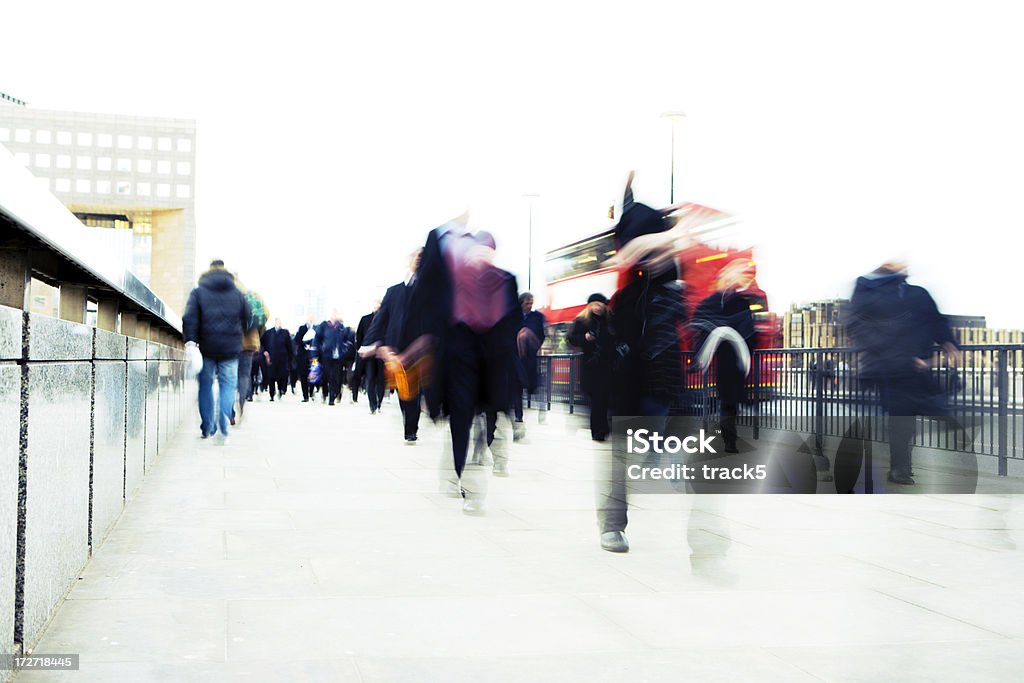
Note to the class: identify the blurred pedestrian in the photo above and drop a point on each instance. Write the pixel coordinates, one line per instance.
(302, 343)
(215, 317)
(724, 322)
(277, 354)
(592, 334)
(336, 346)
(469, 307)
(529, 340)
(894, 327)
(389, 334)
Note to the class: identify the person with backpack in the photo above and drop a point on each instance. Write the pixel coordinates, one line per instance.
(250, 344)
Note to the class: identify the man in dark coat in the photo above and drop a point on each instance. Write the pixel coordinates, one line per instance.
(530, 338)
(388, 332)
(277, 354)
(336, 345)
(470, 309)
(648, 311)
(593, 335)
(215, 318)
(895, 326)
(368, 368)
(302, 356)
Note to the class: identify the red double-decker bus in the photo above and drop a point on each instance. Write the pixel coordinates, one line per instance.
(577, 270)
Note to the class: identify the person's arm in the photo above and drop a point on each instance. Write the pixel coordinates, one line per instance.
(941, 331)
(190, 321)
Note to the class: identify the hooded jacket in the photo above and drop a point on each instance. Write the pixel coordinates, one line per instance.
(891, 323)
(216, 315)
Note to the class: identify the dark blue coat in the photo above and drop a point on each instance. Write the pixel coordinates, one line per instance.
(331, 338)
(216, 316)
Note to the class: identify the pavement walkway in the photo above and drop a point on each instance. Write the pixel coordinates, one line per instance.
(316, 547)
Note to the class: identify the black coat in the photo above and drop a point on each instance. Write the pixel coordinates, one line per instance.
(301, 354)
(891, 323)
(728, 309)
(278, 343)
(388, 327)
(598, 355)
(535, 322)
(648, 314)
(216, 316)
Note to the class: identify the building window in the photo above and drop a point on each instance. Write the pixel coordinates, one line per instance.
(163, 144)
(63, 161)
(63, 137)
(23, 135)
(44, 137)
(142, 189)
(184, 168)
(184, 145)
(5, 134)
(124, 165)
(102, 187)
(83, 163)
(183, 191)
(124, 141)
(163, 167)
(43, 160)
(62, 185)
(163, 190)
(144, 166)
(145, 142)
(44, 183)
(85, 139)
(105, 140)
(83, 185)
(103, 164)
(124, 187)
(24, 158)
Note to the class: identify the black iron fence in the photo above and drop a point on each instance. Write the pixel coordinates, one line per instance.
(818, 391)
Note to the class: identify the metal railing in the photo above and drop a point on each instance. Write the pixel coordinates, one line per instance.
(819, 392)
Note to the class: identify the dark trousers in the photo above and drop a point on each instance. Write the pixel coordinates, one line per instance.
(244, 379)
(307, 388)
(904, 398)
(282, 386)
(730, 391)
(374, 382)
(474, 382)
(334, 374)
(410, 416)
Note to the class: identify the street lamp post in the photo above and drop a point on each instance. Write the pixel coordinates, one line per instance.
(673, 116)
(529, 263)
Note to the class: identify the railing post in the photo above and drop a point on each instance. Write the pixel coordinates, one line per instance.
(756, 358)
(572, 384)
(819, 402)
(1002, 379)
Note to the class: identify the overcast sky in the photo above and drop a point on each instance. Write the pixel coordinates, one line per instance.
(333, 136)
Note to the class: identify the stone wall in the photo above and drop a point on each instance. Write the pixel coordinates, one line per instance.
(84, 413)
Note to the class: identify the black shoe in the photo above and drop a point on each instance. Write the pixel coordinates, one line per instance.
(897, 477)
(305, 400)
(271, 399)
(331, 403)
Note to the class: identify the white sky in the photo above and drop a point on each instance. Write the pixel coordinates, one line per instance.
(333, 136)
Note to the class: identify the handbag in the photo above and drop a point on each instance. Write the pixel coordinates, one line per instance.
(193, 359)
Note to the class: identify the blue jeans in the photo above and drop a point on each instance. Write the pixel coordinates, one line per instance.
(226, 372)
